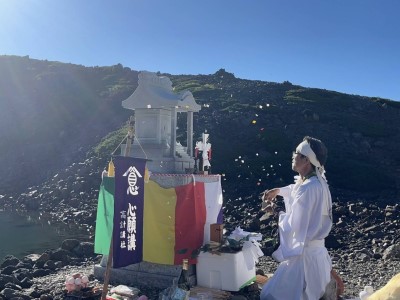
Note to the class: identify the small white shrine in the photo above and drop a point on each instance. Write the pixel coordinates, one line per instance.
(173, 184)
(156, 108)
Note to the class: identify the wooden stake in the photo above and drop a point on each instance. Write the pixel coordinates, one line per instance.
(107, 273)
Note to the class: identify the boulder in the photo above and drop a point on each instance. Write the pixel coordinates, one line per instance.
(84, 249)
(9, 260)
(41, 272)
(69, 244)
(392, 252)
(9, 293)
(8, 270)
(60, 255)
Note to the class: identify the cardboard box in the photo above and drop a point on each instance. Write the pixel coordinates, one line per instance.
(228, 271)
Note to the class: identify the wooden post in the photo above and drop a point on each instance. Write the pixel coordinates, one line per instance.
(107, 273)
(130, 136)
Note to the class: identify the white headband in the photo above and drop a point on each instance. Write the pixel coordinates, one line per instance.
(305, 149)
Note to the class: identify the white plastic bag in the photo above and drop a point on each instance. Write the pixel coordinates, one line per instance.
(125, 291)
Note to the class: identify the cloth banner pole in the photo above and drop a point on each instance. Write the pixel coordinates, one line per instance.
(110, 254)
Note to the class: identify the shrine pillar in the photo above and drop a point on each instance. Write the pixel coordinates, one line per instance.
(189, 133)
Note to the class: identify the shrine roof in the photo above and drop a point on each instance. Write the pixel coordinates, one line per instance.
(156, 92)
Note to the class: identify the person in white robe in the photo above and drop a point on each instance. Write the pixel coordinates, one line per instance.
(305, 265)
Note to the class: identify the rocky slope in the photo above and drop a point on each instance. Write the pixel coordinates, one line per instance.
(254, 127)
(52, 113)
(44, 107)
(364, 243)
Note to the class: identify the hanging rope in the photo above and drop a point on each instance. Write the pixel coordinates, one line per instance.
(140, 146)
(113, 153)
(130, 134)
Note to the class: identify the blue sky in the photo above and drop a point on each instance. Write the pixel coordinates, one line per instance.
(350, 46)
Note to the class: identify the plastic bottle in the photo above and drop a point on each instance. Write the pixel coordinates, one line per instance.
(184, 279)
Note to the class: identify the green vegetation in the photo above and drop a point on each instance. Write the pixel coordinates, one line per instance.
(110, 142)
(235, 106)
(320, 97)
(193, 86)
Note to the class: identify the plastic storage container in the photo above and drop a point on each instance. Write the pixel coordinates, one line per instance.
(228, 271)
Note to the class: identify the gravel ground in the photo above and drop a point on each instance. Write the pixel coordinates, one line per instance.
(55, 283)
(364, 228)
(355, 275)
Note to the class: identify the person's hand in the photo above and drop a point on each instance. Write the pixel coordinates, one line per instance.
(268, 204)
(270, 195)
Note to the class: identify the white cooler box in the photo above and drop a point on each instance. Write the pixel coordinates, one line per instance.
(228, 271)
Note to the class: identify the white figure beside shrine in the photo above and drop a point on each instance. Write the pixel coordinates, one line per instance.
(203, 149)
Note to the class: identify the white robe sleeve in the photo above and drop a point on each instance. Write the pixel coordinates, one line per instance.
(293, 225)
(286, 192)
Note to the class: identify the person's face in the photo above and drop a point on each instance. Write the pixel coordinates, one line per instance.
(299, 162)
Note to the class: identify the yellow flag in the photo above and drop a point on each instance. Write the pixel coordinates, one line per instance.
(146, 175)
(111, 169)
